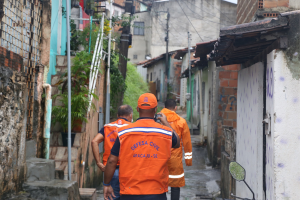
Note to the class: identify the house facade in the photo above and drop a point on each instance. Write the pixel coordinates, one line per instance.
(149, 27)
(267, 106)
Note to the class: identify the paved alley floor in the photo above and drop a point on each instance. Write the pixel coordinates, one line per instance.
(200, 179)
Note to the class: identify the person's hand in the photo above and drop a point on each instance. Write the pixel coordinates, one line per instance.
(163, 119)
(101, 166)
(108, 193)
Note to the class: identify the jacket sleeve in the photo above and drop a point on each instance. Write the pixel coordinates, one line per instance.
(187, 144)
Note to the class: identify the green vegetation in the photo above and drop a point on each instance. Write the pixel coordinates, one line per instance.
(117, 86)
(135, 87)
(80, 100)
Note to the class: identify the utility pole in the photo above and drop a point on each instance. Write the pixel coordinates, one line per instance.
(190, 79)
(69, 89)
(167, 53)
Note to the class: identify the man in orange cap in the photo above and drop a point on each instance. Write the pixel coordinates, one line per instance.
(143, 149)
(108, 134)
(176, 172)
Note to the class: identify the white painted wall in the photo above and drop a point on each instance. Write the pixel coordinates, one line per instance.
(249, 141)
(294, 4)
(142, 71)
(283, 145)
(183, 82)
(205, 78)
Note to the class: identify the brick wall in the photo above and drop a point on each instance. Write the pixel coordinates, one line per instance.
(10, 59)
(120, 2)
(246, 9)
(275, 3)
(227, 94)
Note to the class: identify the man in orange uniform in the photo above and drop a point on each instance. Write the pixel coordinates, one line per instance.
(143, 149)
(109, 134)
(176, 172)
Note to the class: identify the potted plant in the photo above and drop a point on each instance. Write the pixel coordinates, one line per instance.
(80, 97)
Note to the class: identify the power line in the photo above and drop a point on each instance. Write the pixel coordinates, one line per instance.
(189, 20)
(200, 15)
(207, 11)
(218, 10)
(158, 34)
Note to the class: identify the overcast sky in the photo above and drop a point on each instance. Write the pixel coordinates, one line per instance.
(232, 1)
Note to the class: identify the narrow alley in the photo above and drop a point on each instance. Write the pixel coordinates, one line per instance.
(221, 76)
(201, 180)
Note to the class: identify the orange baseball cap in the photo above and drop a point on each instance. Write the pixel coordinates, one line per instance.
(147, 101)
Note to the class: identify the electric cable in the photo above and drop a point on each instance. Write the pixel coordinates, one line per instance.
(218, 10)
(190, 21)
(200, 15)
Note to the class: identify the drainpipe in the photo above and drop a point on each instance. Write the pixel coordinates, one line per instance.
(47, 120)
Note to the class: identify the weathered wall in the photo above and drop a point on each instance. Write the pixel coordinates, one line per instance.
(13, 107)
(283, 96)
(204, 15)
(249, 140)
(46, 33)
(183, 81)
(91, 175)
(228, 155)
(141, 44)
(206, 22)
(158, 75)
(275, 3)
(228, 14)
(294, 4)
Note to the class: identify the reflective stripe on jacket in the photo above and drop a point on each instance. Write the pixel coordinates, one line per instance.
(110, 136)
(145, 148)
(176, 176)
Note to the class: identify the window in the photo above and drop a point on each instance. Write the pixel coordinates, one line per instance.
(135, 57)
(151, 77)
(138, 28)
(116, 14)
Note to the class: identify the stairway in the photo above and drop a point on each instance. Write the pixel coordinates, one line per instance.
(59, 154)
(41, 183)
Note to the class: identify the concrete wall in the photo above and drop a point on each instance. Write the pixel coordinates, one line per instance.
(294, 4)
(205, 78)
(213, 101)
(183, 81)
(142, 71)
(158, 73)
(249, 141)
(205, 22)
(141, 44)
(13, 119)
(283, 96)
(91, 176)
(228, 14)
(204, 15)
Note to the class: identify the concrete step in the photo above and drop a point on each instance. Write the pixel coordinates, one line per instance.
(54, 189)
(39, 169)
(88, 193)
(61, 153)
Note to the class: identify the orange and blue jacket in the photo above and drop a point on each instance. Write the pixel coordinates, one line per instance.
(176, 176)
(145, 148)
(110, 136)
